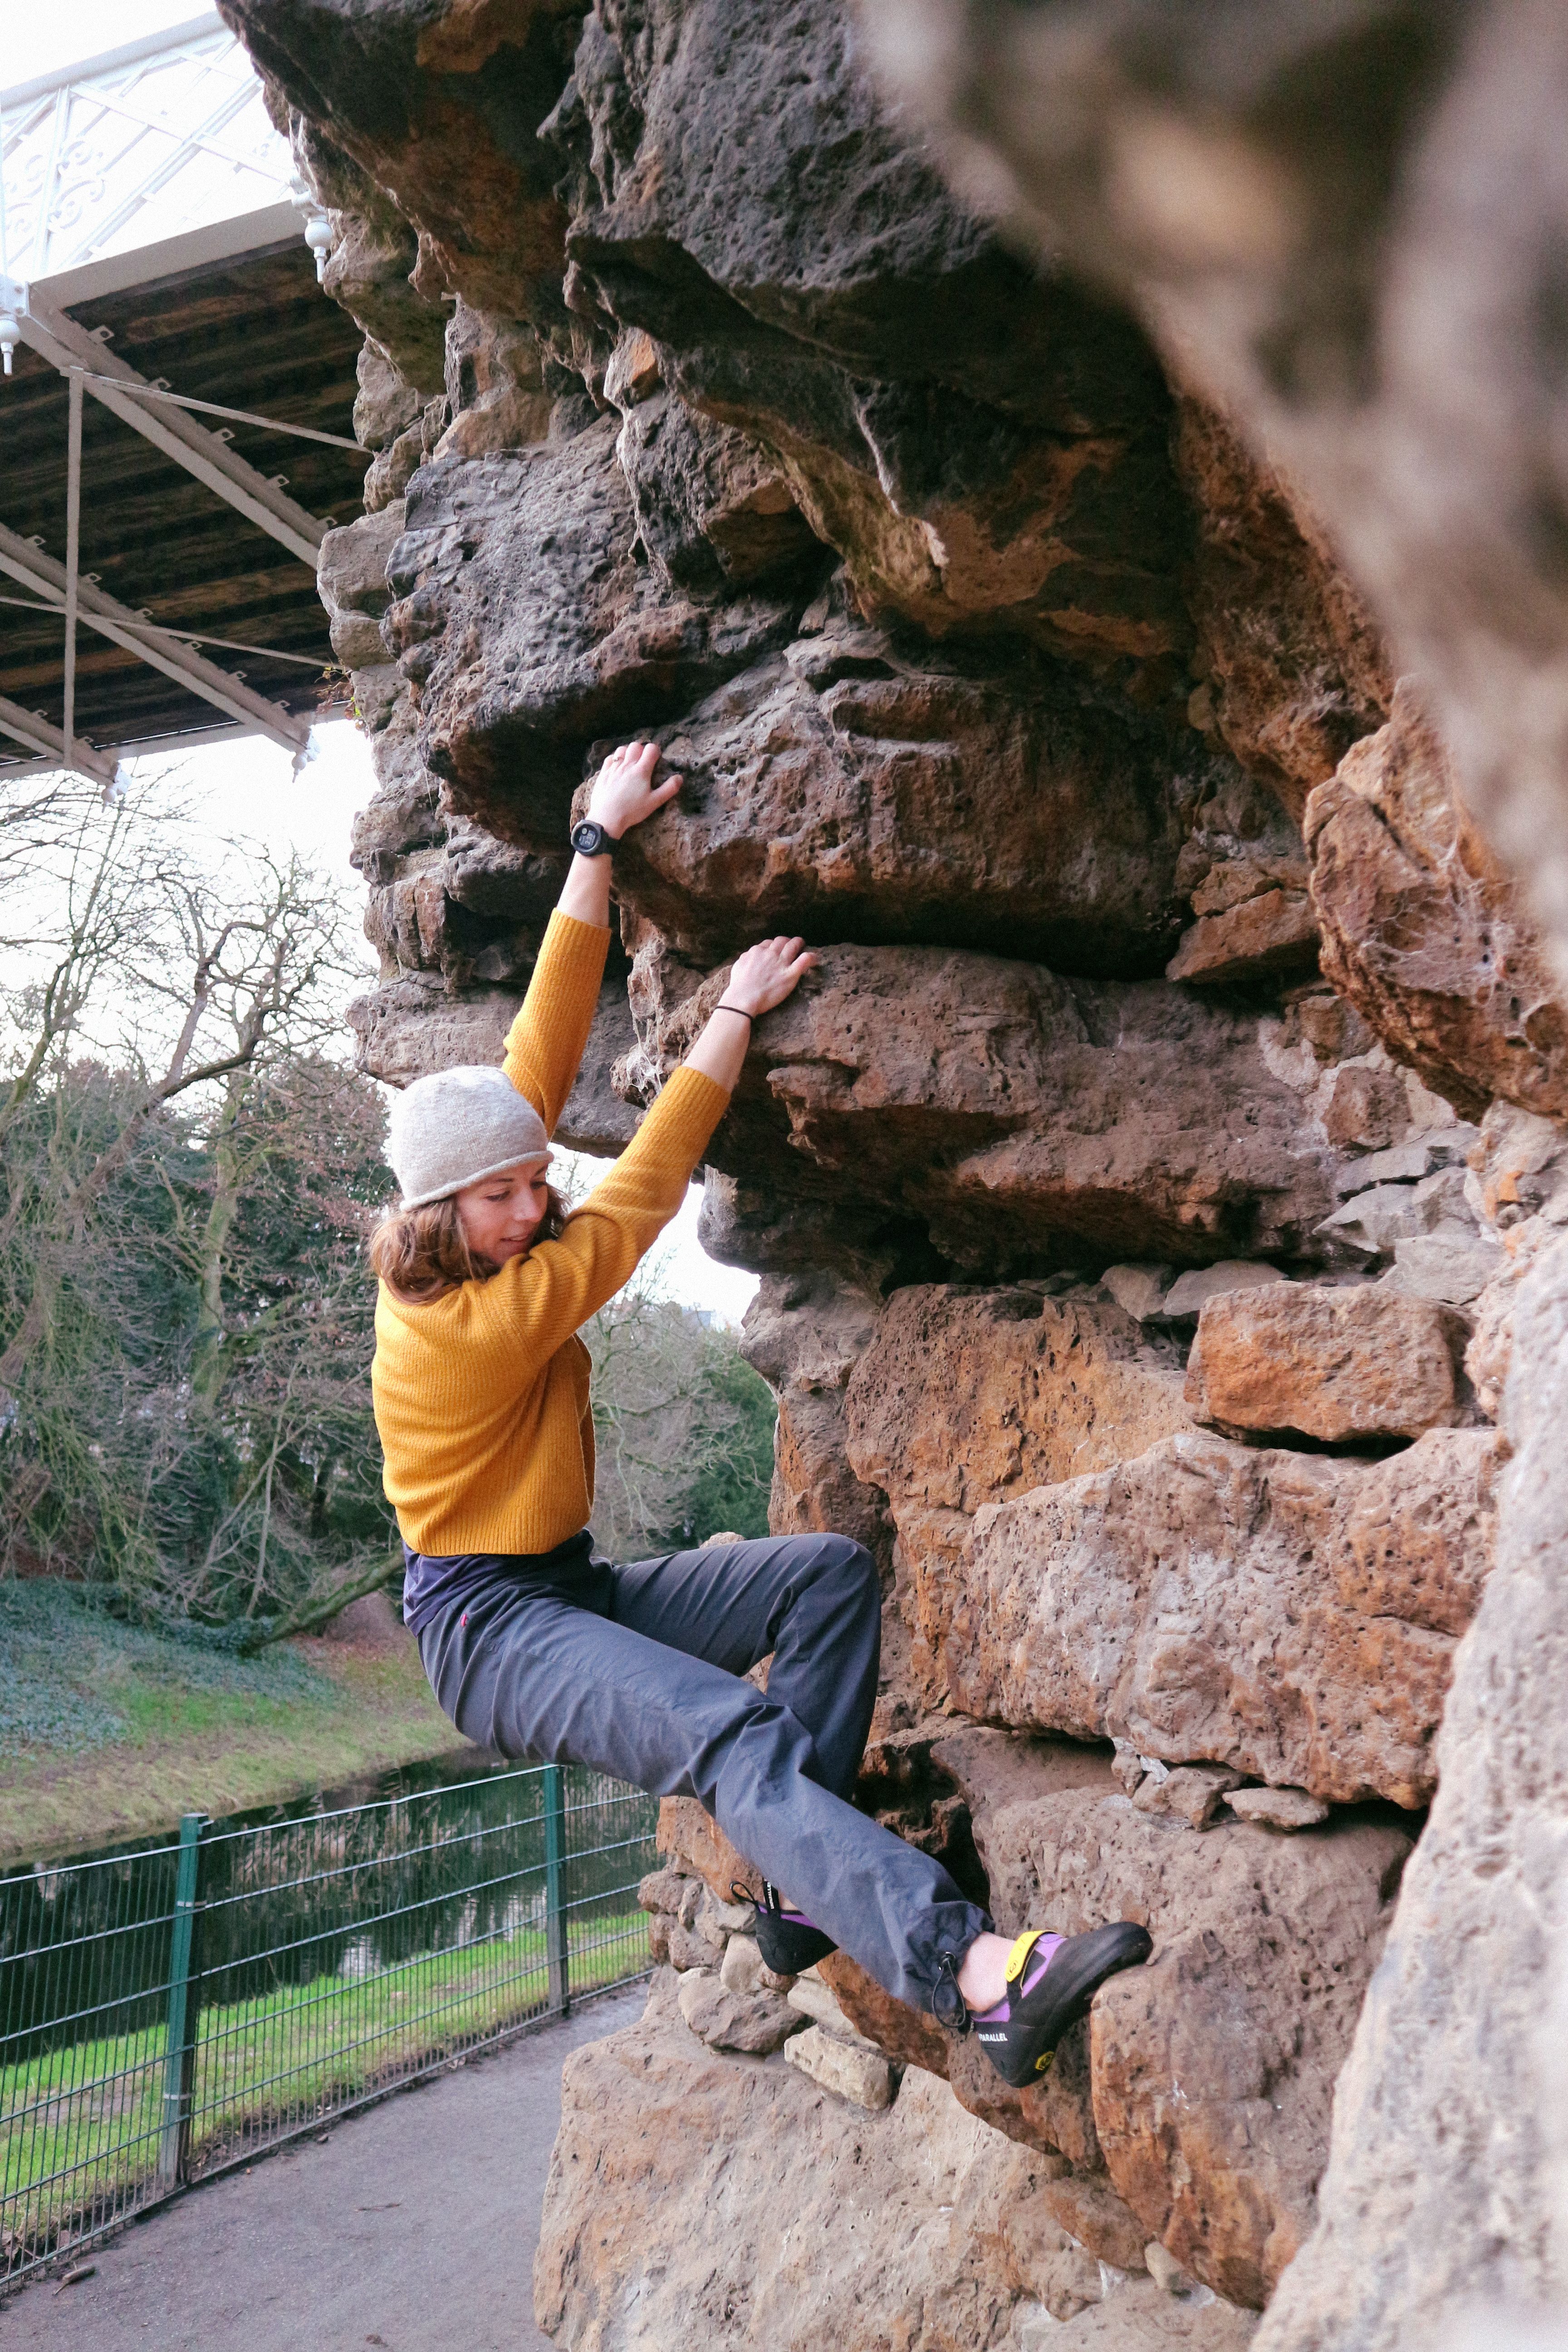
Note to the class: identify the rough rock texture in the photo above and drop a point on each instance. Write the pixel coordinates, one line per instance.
(999, 627)
(1024, 1118)
(1329, 1364)
(963, 1397)
(1423, 928)
(823, 2222)
(1211, 2075)
(1452, 2023)
(1295, 669)
(1314, 221)
(1289, 1614)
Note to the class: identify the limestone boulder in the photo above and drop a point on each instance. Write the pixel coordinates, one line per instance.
(1294, 1616)
(960, 1398)
(1212, 2067)
(1425, 931)
(1331, 1364)
(696, 2197)
(529, 629)
(1023, 1120)
(857, 788)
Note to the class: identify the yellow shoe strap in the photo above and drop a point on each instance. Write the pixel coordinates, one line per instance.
(1020, 1952)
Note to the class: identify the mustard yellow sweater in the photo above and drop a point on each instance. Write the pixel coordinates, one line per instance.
(481, 1396)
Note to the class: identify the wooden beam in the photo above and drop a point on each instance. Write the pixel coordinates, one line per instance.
(40, 573)
(59, 339)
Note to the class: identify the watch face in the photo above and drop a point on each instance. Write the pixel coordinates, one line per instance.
(589, 838)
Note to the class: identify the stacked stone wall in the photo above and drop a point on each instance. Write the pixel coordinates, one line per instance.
(1146, 1186)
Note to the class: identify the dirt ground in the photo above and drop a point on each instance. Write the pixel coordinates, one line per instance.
(412, 2227)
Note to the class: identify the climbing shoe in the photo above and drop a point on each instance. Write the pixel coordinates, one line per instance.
(788, 1941)
(1051, 1980)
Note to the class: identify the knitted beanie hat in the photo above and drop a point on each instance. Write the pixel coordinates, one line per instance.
(451, 1129)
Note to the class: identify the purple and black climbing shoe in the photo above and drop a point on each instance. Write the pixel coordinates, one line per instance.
(1051, 1980)
(788, 1941)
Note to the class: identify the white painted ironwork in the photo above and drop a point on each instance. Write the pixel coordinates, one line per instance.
(157, 145)
(162, 136)
(73, 554)
(239, 415)
(143, 627)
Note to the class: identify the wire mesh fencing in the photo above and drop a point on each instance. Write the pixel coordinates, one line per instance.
(172, 2011)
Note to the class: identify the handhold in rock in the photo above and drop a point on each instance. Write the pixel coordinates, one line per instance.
(1206, 1282)
(1138, 1290)
(851, 2070)
(757, 2021)
(1278, 1809)
(1451, 1267)
(1190, 1793)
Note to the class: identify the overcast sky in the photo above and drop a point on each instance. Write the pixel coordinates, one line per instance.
(41, 40)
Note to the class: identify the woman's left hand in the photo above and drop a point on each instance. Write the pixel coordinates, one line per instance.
(623, 792)
(765, 975)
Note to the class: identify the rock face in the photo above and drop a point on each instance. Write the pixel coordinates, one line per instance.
(1422, 926)
(1337, 1365)
(1152, 1177)
(1293, 1616)
(1025, 1120)
(824, 2219)
(1455, 2022)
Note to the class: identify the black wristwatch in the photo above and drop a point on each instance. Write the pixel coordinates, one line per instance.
(589, 839)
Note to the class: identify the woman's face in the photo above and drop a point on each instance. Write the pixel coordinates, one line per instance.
(501, 1214)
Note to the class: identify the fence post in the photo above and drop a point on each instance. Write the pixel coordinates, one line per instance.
(555, 1886)
(185, 2003)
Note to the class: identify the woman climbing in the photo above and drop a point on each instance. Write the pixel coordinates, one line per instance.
(535, 1646)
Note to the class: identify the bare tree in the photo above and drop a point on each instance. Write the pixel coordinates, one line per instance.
(683, 1426)
(184, 1309)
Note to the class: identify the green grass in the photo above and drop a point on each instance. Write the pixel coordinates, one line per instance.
(110, 1731)
(80, 2126)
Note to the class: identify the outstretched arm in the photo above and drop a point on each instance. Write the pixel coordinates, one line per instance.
(545, 1043)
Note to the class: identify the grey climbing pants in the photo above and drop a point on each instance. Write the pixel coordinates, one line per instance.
(637, 1672)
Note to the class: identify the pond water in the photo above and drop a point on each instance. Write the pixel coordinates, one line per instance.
(334, 1884)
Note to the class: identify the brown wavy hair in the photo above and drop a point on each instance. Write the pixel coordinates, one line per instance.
(422, 1253)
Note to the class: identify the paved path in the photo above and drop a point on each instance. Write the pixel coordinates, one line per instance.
(413, 2227)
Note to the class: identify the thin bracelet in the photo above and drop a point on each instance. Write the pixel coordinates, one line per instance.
(722, 1007)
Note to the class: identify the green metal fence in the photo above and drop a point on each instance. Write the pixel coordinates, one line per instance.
(166, 2013)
